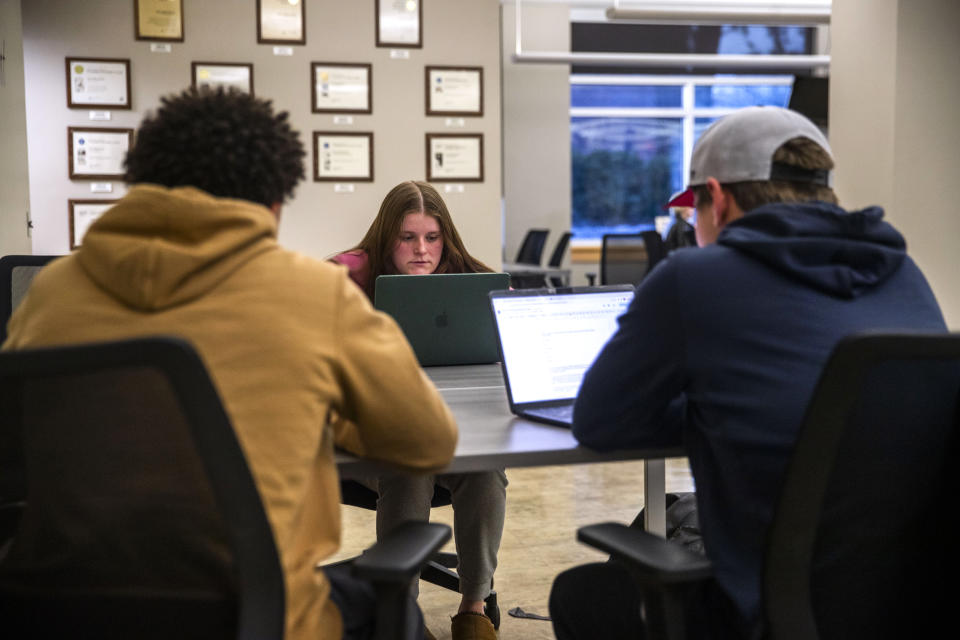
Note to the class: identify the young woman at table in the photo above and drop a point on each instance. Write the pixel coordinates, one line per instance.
(414, 234)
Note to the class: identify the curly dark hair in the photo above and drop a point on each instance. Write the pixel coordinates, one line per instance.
(227, 143)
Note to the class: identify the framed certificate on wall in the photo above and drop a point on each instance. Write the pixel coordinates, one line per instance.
(238, 75)
(342, 157)
(398, 23)
(102, 83)
(82, 215)
(454, 157)
(158, 20)
(281, 22)
(341, 87)
(454, 91)
(97, 153)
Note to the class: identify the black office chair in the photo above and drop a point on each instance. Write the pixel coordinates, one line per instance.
(531, 249)
(861, 542)
(132, 439)
(438, 569)
(556, 258)
(16, 274)
(623, 258)
(656, 250)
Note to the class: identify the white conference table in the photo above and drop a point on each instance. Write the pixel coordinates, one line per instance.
(523, 269)
(491, 437)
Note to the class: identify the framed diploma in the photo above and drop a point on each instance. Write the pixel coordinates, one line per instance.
(454, 91)
(82, 215)
(102, 83)
(97, 154)
(158, 20)
(454, 157)
(281, 22)
(398, 23)
(238, 75)
(341, 87)
(342, 157)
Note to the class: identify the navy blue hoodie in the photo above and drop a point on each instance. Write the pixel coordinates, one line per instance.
(722, 347)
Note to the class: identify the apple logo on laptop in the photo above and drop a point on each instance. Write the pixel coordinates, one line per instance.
(442, 320)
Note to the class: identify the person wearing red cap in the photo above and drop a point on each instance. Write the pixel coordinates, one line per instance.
(721, 348)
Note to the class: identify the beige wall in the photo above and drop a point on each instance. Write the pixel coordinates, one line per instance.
(317, 221)
(894, 126)
(536, 129)
(14, 198)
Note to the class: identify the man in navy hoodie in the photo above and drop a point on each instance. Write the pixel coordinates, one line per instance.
(722, 347)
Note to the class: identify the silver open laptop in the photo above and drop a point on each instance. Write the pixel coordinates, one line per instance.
(548, 338)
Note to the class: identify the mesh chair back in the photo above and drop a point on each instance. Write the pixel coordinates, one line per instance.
(854, 549)
(531, 250)
(16, 274)
(142, 518)
(656, 250)
(556, 258)
(623, 259)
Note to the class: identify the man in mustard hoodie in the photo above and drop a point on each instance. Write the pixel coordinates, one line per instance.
(292, 345)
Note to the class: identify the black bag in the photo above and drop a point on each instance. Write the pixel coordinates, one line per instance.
(683, 524)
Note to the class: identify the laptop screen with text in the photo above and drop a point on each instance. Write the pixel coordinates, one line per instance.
(549, 340)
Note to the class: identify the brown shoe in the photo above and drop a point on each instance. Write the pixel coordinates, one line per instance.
(472, 626)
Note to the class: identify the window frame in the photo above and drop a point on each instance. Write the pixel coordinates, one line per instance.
(687, 112)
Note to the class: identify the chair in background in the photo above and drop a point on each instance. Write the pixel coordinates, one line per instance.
(861, 542)
(556, 258)
(16, 274)
(627, 258)
(531, 249)
(131, 437)
(623, 258)
(656, 250)
(438, 569)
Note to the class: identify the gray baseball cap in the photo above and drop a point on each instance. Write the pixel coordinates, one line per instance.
(740, 147)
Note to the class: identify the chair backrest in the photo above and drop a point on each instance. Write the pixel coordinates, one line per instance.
(531, 250)
(623, 258)
(556, 258)
(861, 543)
(142, 518)
(16, 274)
(656, 250)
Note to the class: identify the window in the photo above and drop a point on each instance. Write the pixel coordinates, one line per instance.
(632, 137)
(632, 132)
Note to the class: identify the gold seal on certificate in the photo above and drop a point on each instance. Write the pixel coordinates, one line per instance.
(82, 215)
(97, 153)
(341, 87)
(342, 157)
(281, 22)
(398, 23)
(238, 75)
(98, 82)
(158, 19)
(454, 157)
(454, 91)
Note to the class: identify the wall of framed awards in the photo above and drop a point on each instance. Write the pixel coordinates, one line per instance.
(381, 91)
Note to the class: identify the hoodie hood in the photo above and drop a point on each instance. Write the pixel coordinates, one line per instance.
(161, 247)
(840, 253)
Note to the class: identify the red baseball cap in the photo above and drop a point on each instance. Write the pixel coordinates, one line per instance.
(682, 199)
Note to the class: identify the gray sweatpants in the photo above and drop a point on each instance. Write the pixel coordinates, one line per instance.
(479, 505)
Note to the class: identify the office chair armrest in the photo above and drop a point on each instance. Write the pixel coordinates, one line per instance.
(399, 556)
(654, 559)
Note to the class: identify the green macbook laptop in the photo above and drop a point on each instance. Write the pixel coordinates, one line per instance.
(445, 317)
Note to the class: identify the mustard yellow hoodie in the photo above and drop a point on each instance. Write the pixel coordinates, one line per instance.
(288, 340)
